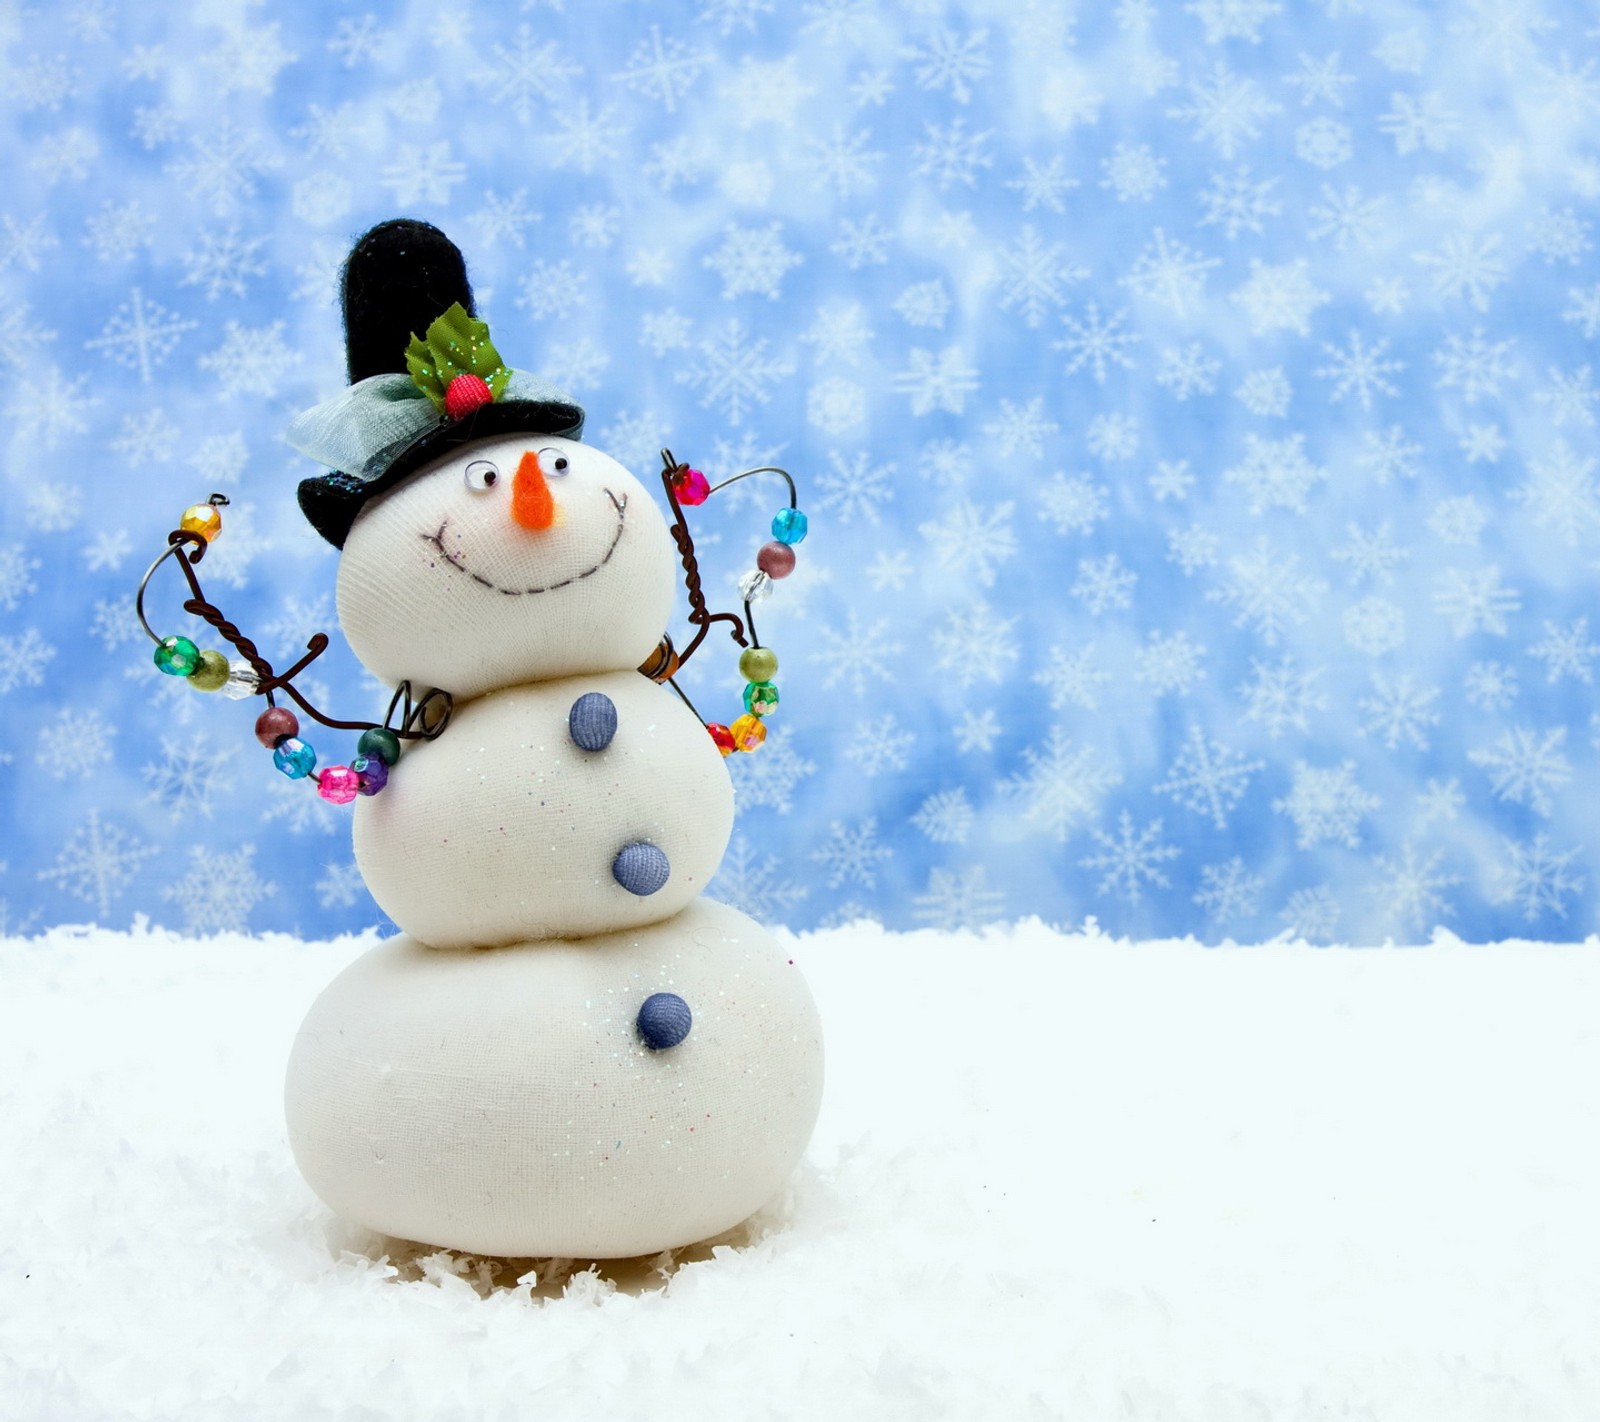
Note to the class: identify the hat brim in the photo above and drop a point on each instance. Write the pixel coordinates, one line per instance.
(332, 501)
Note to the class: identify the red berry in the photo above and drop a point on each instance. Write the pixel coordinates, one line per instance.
(465, 394)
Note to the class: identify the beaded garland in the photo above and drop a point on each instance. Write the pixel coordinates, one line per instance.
(378, 750)
(774, 560)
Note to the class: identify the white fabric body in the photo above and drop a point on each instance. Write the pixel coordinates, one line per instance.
(504, 830)
(501, 1101)
(440, 586)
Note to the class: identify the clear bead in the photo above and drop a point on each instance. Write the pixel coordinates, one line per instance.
(755, 585)
(242, 680)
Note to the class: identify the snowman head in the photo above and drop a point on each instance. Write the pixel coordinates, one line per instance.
(511, 559)
(484, 546)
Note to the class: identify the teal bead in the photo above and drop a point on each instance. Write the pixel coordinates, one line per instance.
(789, 526)
(177, 656)
(761, 698)
(380, 742)
(294, 758)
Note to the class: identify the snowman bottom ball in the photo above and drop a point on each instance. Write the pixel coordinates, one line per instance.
(505, 1101)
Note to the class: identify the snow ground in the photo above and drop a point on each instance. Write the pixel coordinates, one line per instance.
(1056, 1176)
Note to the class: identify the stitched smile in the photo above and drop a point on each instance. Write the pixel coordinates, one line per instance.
(437, 540)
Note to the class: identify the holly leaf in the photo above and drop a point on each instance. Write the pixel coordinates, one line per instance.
(456, 344)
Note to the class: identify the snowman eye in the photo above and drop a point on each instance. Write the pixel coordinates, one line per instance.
(481, 475)
(553, 462)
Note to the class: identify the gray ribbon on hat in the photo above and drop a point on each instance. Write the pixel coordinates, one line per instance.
(363, 428)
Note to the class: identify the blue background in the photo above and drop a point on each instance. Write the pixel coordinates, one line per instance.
(1194, 404)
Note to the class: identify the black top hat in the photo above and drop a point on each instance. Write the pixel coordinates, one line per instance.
(399, 279)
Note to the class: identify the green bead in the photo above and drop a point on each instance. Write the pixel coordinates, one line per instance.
(211, 673)
(758, 663)
(381, 743)
(761, 698)
(177, 656)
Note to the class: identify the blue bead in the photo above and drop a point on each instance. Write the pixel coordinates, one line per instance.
(592, 722)
(789, 526)
(641, 868)
(664, 1020)
(294, 758)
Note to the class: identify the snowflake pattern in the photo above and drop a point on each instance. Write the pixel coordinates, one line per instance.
(1187, 429)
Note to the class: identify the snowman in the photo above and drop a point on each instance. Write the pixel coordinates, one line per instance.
(569, 1050)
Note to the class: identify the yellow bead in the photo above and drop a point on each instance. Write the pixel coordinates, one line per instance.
(748, 732)
(211, 674)
(204, 519)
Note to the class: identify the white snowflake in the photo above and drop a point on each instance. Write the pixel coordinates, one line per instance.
(1490, 686)
(1570, 396)
(1370, 554)
(1129, 861)
(1104, 584)
(141, 335)
(1268, 591)
(524, 76)
(425, 174)
(1062, 786)
(222, 165)
(734, 372)
(1419, 122)
(1526, 767)
(951, 155)
(1567, 652)
(1169, 663)
(1466, 267)
(855, 487)
(664, 69)
(924, 304)
(1275, 474)
(220, 891)
(754, 884)
(1475, 600)
(1187, 371)
(852, 854)
(1311, 914)
(1172, 480)
(971, 540)
(1412, 893)
(1112, 436)
(24, 659)
(752, 259)
(98, 863)
(1375, 626)
(1133, 172)
(1359, 370)
(976, 731)
(946, 60)
(1033, 274)
(1021, 428)
(1584, 310)
(191, 775)
(974, 644)
(118, 230)
(1324, 143)
(1535, 878)
(250, 360)
(220, 458)
(1170, 274)
(1193, 549)
(1280, 296)
(552, 291)
(247, 58)
(958, 900)
(1233, 19)
(1226, 110)
(1326, 804)
(939, 381)
(1477, 367)
(1208, 778)
(1044, 184)
(146, 437)
(1237, 203)
(1349, 218)
(1388, 454)
(1229, 891)
(1282, 696)
(1399, 710)
(74, 743)
(583, 138)
(844, 163)
(1072, 678)
(1096, 343)
(946, 816)
(1483, 444)
(864, 243)
(1074, 505)
(769, 780)
(1265, 392)
(16, 575)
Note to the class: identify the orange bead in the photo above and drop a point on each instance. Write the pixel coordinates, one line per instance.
(748, 732)
(204, 519)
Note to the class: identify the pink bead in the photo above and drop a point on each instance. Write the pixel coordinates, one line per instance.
(776, 560)
(691, 486)
(339, 784)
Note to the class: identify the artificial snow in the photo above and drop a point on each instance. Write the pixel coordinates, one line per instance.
(1056, 1176)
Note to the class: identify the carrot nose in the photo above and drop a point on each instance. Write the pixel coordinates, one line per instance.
(532, 504)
